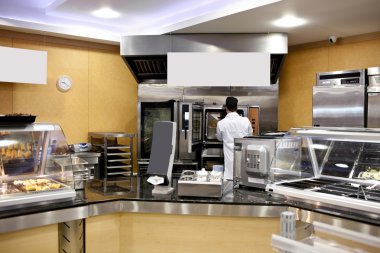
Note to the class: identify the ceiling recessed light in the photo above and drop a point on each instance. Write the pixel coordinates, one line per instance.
(106, 12)
(289, 21)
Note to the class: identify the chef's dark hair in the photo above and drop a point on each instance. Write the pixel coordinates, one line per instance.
(231, 104)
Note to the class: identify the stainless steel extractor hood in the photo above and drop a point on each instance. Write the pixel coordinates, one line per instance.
(146, 55)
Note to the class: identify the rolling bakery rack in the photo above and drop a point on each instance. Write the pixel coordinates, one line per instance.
(116, 160)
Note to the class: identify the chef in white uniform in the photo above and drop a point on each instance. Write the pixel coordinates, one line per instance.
(231, 127)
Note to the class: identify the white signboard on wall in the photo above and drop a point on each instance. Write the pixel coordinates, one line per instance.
(219, 69)
(23, 65)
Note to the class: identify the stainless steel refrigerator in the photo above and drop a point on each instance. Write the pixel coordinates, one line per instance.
(339, 99)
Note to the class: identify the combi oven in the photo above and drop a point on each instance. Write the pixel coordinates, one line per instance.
(189, 119)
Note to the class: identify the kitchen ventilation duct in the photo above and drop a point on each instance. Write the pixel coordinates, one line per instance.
(146, 55)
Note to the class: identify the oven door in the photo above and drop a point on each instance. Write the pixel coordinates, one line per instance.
(212, 116)
(190, 129)
(150, 112)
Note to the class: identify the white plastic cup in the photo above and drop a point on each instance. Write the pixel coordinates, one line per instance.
(219, 168)
(288, 224)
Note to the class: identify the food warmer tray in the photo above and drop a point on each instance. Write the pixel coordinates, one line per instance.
(12, 194)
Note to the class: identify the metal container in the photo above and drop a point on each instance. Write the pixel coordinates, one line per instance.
(192, 184)
(92, 159)
(81, 173)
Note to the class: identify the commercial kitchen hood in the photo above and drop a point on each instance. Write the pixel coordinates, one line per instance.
(146, 55)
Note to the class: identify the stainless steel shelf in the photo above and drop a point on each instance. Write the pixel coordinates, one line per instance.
(121, 153)
(113, 146)
(119, 166)
(110, 134)
(120, 160)
(117, 156)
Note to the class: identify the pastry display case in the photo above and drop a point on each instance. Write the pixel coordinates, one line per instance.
(30, 171)
(346, 170)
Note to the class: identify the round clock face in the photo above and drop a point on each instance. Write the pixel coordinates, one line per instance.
(64, 83)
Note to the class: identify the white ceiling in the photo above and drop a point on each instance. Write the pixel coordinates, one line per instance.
(73, 18)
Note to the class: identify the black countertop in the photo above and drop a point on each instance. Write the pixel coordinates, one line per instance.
(142, 191)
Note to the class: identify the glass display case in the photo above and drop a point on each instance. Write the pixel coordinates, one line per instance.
(262, 160)
(30, 165)
(345, 166)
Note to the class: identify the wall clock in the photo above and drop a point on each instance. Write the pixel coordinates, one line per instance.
(64, 83)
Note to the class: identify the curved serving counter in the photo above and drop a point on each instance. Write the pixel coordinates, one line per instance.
(243, 202)
(251, 216)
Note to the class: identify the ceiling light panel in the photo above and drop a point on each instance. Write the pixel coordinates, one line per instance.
(289, 21)
(106, 12)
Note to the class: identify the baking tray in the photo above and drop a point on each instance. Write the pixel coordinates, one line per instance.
(23, 188)
(15, 120)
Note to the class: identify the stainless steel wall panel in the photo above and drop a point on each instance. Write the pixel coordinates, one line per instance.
(159, 93)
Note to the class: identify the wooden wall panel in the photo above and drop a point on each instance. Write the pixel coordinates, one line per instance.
(354, 55)
(36, 240)
(295, 86)
(69, 109)
(103, 234)
(298, 75)
(6, 89)
(156, 233)
(103, 96)
(113, 94)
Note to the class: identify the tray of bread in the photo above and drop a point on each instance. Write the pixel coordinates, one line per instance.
(38, 184)
(17, 158)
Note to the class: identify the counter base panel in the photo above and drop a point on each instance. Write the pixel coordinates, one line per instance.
(35, 240)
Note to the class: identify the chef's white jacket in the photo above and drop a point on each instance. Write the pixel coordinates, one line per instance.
(231, 127)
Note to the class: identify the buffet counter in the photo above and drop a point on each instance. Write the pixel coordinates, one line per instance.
(122, 223)
(243, 202)
(234, 202)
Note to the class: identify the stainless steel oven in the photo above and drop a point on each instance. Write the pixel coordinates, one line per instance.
(189, 119)
(150, 112)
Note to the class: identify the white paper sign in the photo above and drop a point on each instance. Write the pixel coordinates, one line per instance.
(219, 69)
(23, 65)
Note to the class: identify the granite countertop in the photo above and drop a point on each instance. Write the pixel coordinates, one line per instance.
(142, 191)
